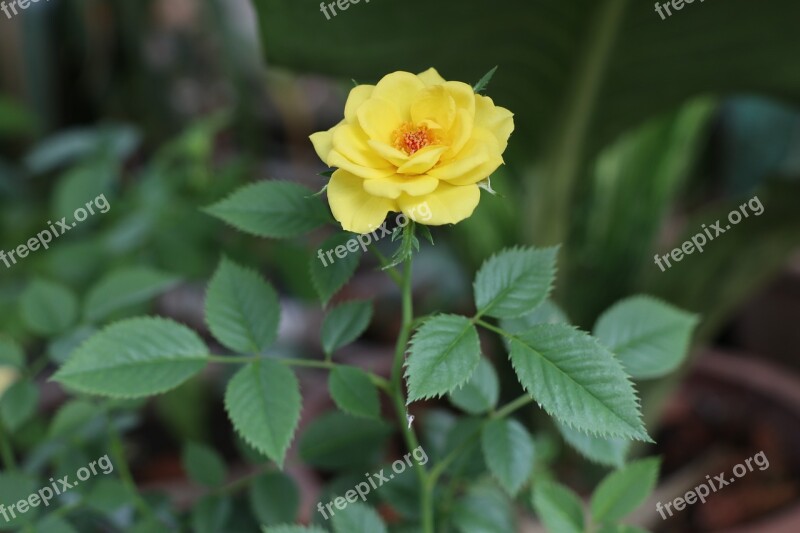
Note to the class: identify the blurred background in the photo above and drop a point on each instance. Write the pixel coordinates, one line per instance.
(632, 132)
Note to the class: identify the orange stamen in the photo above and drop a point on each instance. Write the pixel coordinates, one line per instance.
(411, 139)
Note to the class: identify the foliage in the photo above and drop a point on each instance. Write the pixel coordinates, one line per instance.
(113, 356)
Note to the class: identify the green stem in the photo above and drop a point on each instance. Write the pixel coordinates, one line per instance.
(242, 482)
(125, 475)
(503, 412)
(426, 492)
(6, 451)
(550, 198)
(512, 406)
(405, 329)
(384, 261)
(243, 359)
(233, 359)
(37, 366)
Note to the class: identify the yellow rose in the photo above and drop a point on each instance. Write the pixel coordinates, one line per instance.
(415, 144)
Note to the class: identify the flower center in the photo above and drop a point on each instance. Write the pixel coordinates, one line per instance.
(410, 138)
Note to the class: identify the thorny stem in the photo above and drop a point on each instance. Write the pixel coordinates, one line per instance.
(426, 493)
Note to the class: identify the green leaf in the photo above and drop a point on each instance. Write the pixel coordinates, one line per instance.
(242, 310)
(344, 324)
(150, 525)
(622, 224)
(11, 353)
(461, 440)
(60, 348)
(559, 508)
(329, 273)
(509, 453)
(275, 209)
(263, 402)
(481, 392)
(135, 358)
(274, 499)
(484, 509)
(210, 514)
(443, 355)
(82, 184)
(353, 392)
(577, 381)
(69, 145)
(357, 518)
(71, 417)
(649, 337)
(123, 288)
(292, 529)
(18, 404)
(13, 488)
(204, 465)
(484, 81)
(621, 492)
(48, 308)
(108, 496)
(336, 441)
(53, 524)
(515, 281)
(607, 451)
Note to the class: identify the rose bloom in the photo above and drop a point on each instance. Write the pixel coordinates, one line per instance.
(412, 144)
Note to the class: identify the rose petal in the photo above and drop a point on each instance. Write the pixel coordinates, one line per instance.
(358, 95)
(393, 186)
(448, 204)
(353, 207)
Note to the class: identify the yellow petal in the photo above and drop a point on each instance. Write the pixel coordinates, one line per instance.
(389, 153)
(459, 134)
(424, 160)
(358, 95)
(463, 94)
(335, 159)
(480, 157)
(498, 120)
(351, 141)
(353, 207)
(448, 204)
(379, 119)
(434, 104)
(323, 143)
(399, 88)
(431, 77)
(393, 186)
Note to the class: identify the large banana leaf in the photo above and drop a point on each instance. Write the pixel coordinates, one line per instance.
(576, 72)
